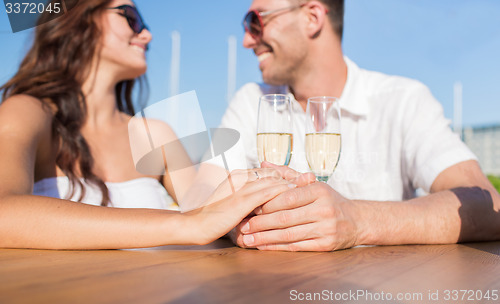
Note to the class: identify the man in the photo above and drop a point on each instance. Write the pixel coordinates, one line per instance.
(395, 139)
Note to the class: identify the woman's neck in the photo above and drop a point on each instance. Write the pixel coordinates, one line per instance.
(100, 96)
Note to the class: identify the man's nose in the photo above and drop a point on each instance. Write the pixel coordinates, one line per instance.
(249, 41)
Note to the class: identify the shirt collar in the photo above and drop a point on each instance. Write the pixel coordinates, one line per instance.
(353, 98)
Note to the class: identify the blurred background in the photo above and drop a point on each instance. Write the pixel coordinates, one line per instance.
(452, 46)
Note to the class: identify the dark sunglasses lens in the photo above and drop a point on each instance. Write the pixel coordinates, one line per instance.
(134, 19)
(252, 24)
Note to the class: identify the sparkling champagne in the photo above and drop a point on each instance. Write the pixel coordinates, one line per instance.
(322, 153)
(275, 148)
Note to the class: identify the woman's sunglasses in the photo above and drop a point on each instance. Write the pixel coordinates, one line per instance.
(253, 24)
(134, 19)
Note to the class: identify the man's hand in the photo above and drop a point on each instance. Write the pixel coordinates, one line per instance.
(313, 217)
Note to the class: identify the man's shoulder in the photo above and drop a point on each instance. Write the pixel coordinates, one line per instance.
(377, 82)
(379, 91)
(373, 82)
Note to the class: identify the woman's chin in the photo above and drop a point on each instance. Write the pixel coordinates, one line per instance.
(131, 73)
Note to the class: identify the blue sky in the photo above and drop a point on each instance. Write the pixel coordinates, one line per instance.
(436, 42)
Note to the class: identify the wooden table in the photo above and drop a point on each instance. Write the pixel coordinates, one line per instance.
(222, 273)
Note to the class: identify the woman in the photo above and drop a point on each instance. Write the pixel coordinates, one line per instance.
(63, 134)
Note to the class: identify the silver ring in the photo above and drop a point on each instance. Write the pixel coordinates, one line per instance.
(256, 174)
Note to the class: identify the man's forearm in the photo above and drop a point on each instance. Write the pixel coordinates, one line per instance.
(457, 215)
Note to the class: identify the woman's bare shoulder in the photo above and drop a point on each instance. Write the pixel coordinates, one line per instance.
(24, 112)
(157, 129)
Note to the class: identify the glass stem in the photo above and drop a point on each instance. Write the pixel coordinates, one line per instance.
(323, 179)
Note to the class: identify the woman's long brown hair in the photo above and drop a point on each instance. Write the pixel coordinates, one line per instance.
(54, 70)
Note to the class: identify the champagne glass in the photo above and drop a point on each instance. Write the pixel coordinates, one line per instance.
(323, 140)
(274, 129)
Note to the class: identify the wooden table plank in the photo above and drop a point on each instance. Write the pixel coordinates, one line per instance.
(222, 273)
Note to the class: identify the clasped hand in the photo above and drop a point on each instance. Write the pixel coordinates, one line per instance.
(311, 217)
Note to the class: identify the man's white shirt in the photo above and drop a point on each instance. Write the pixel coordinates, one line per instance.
(395, 137)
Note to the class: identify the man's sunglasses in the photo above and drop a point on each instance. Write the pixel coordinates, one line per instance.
(134, 19)
(253, 24)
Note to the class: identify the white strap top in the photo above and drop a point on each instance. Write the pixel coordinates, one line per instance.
(144, 192)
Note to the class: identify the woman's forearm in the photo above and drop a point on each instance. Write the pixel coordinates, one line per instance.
(28, 221)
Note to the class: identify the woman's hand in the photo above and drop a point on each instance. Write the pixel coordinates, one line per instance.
(234, 199)
(239, 178)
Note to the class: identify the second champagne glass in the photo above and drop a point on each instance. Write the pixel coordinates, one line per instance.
(274, 129)
(323, 140)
